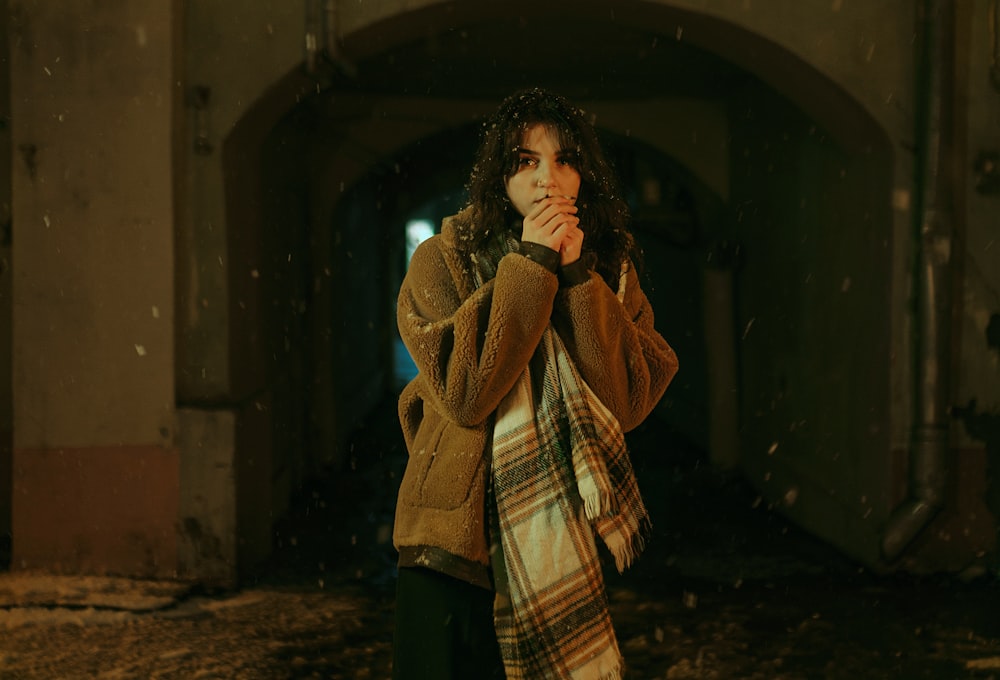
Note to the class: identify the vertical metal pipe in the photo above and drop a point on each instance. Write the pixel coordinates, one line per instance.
(994, 28)
(330, 38)
(311, 35)
(928, 458)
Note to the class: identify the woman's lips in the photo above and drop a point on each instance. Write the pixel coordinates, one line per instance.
(571, 198)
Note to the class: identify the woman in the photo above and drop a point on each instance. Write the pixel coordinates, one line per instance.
(535, 351)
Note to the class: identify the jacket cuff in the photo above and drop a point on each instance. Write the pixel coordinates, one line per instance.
(573, 274)
(543, 255)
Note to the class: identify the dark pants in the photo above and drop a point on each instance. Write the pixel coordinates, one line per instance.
(444, 629)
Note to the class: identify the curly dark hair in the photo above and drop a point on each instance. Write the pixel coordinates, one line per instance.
(603, 211)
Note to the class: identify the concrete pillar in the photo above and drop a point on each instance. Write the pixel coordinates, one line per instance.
(95, 464)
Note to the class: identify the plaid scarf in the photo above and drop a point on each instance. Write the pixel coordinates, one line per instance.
(561, 474)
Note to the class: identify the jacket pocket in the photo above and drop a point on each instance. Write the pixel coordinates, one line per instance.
(445, 463)
(455, 467)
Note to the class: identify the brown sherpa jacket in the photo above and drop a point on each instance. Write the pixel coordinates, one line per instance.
(470, 345)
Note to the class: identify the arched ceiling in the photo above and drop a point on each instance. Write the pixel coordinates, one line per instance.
(628, 49)
(579, 56)
(615, 50)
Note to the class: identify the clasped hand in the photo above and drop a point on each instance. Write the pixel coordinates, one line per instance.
(553, 223)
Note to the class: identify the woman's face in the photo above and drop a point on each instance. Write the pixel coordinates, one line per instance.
(543, 169)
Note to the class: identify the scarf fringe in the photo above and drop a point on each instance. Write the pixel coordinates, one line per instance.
(626, 551)
(596, 502)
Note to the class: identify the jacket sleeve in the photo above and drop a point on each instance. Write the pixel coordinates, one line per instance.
(470, 352)
(622, 357)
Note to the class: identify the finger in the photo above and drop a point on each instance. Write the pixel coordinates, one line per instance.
(558, 212)
(556, 204)
(567, 221)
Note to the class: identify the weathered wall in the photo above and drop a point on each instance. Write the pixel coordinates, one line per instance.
(92, 121)
(978, 257)
(976, 352)
(233, 54)
(814, 288)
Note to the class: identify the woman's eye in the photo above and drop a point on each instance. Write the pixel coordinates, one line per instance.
(526, 161)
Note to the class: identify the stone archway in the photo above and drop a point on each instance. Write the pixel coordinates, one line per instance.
(679, 82)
